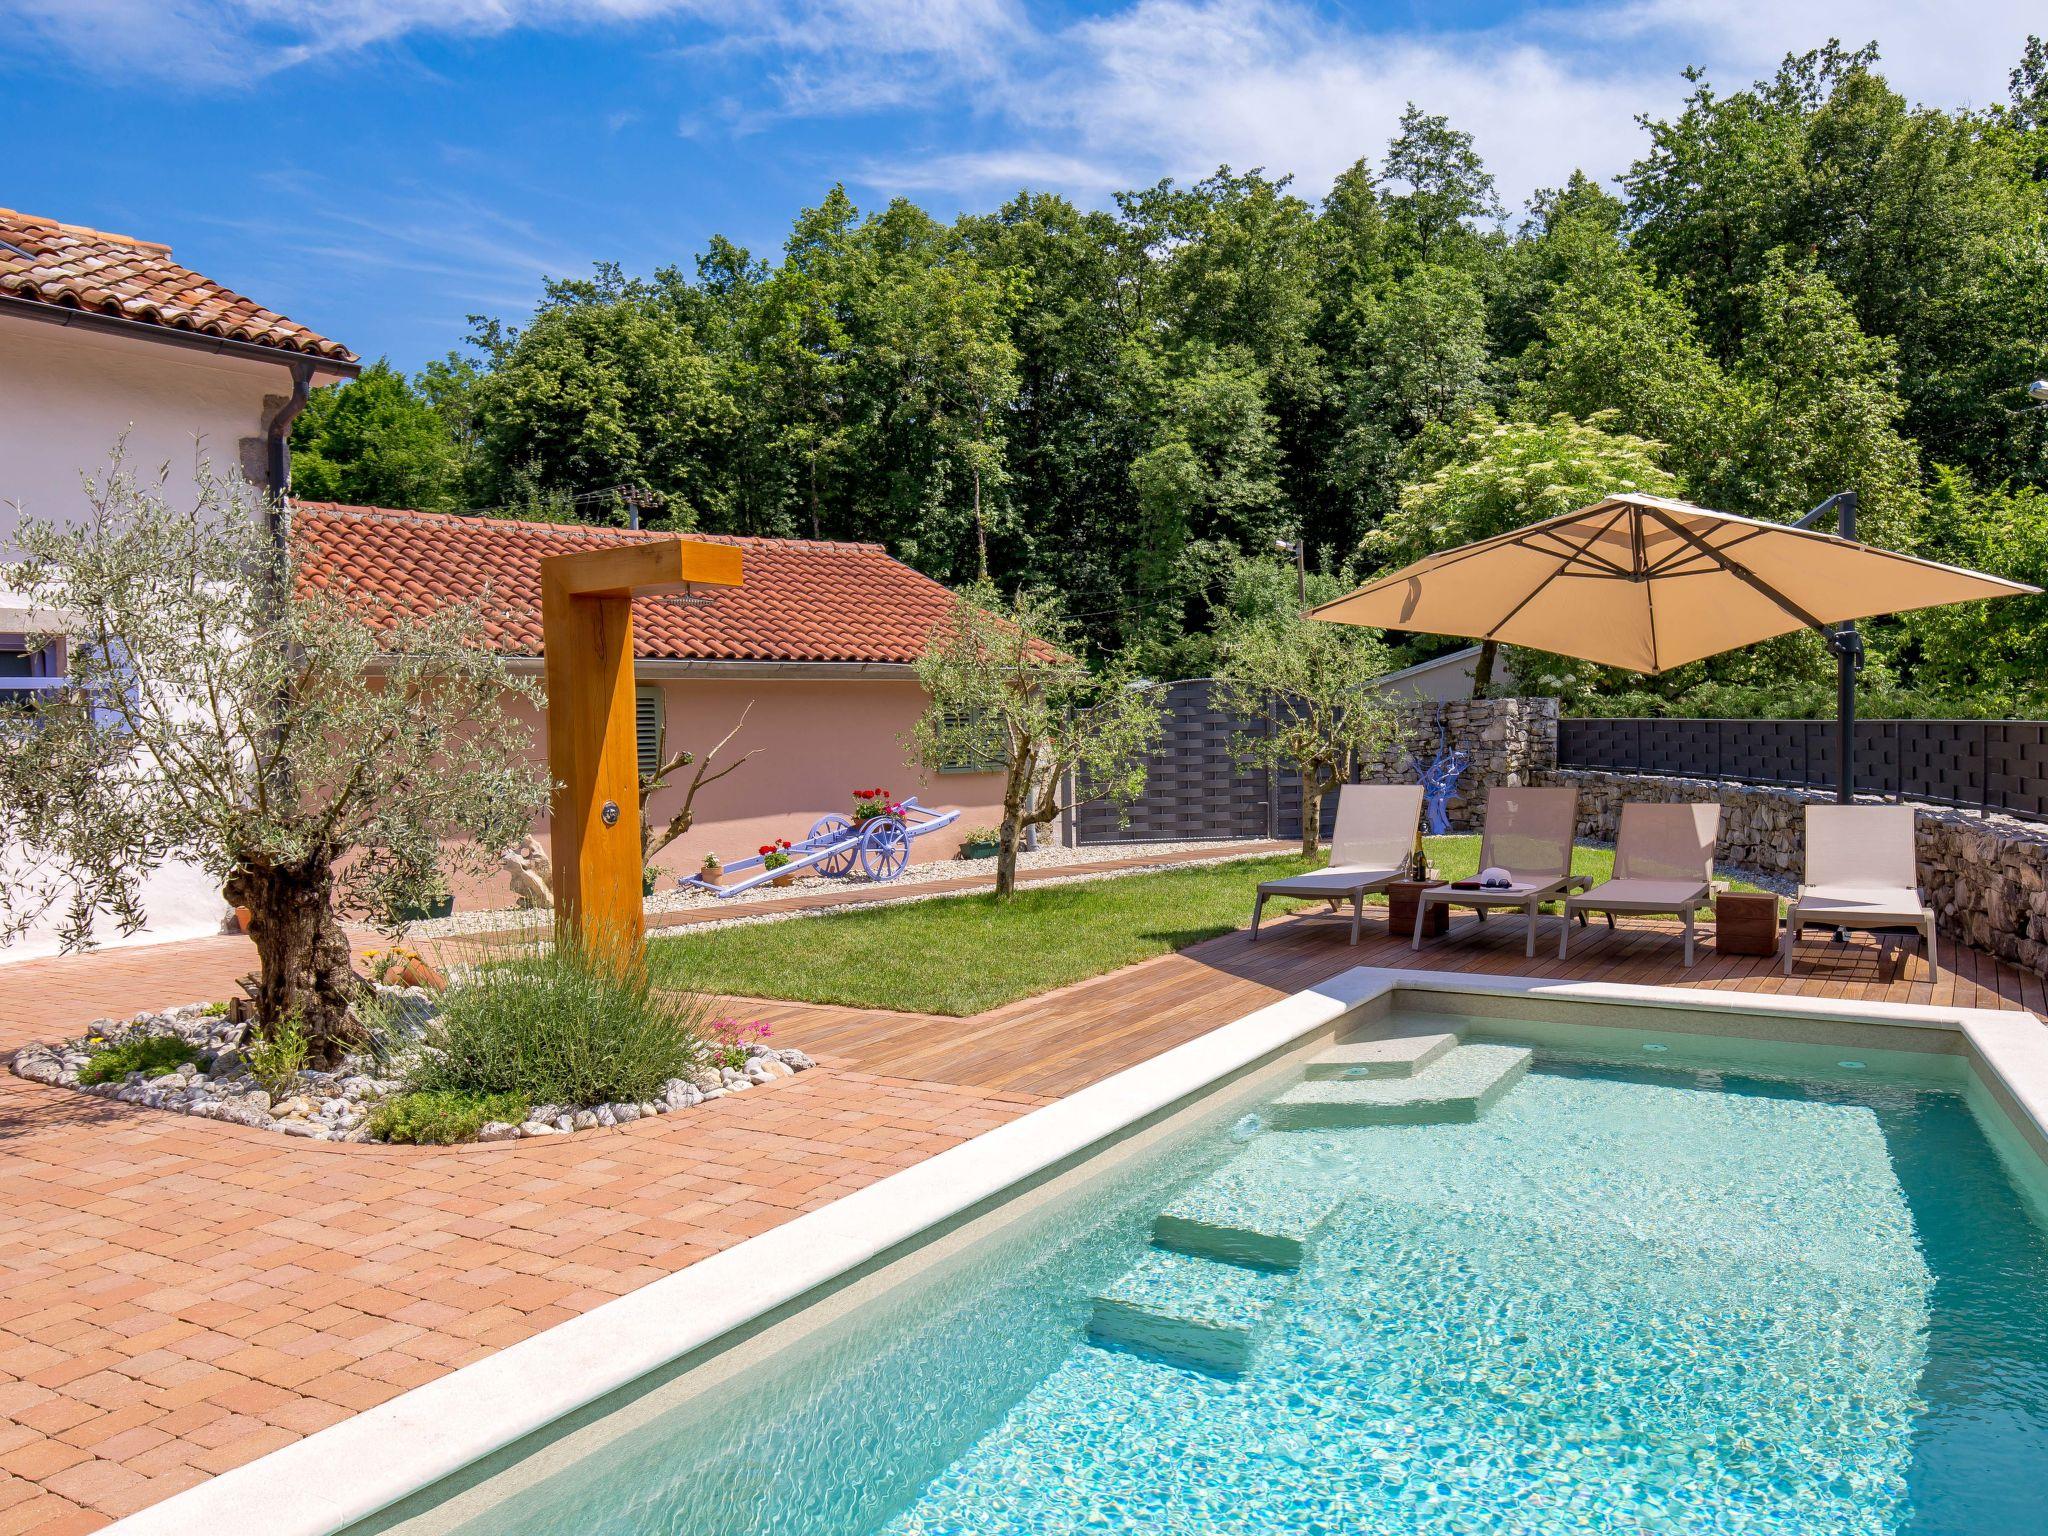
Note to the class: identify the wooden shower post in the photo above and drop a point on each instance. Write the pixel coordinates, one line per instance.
(593, 754)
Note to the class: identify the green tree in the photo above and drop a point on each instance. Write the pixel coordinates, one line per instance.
(606, 392)
(1447, 186)
(377, 441)
(312, 758)
(1929, 223)
(1418, 357)
(1994, 652)
(1005, 686)
(1309, 688)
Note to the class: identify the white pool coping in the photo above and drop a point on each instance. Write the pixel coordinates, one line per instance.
(367, 1463)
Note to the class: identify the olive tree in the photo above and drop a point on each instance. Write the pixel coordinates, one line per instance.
(1306, 691)
(319, 759)
(1006, 693)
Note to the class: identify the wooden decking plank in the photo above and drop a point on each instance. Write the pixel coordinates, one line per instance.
(1057, 1042)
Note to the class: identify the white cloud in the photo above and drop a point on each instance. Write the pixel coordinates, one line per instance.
(1143, 89)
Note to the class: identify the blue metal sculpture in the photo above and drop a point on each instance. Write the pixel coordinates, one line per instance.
(1439, 779)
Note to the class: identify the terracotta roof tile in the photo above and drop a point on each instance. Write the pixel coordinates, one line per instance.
(72, 267)
(799, 600)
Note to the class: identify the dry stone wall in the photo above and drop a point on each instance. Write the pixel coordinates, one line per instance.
(1985, 876)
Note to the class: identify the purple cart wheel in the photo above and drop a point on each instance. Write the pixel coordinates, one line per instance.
(884, 848)
(833, 829)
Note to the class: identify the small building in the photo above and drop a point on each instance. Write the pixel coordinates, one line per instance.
(815, 649)
(1443, 679)
(106, 340)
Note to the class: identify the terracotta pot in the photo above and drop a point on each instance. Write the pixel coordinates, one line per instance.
(789, 879)
(712, 874)
(418, 973)
(243, 918)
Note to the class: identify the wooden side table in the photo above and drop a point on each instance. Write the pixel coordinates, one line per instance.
(1745, 924)
(1401, 898)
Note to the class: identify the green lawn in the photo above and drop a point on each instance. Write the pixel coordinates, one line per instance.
(962, 954)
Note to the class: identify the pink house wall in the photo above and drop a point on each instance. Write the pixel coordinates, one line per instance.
(814, 741)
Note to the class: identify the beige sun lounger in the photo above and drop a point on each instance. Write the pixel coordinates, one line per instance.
(1861, 872)
(1663, 863)
(1528, 834)
(1376, 831)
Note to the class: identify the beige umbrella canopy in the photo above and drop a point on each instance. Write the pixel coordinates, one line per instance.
(1649, 584)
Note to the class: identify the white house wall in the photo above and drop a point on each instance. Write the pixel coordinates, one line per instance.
(67, 395)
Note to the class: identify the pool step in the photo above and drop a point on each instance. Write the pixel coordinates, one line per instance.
(1389, 1056)
(1458, 1087)
(1188, 1311)
(1262, 1207)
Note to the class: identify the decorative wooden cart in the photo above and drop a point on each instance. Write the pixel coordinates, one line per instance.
(879, 847)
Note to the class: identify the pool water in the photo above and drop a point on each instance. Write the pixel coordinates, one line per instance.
(1631, 1297)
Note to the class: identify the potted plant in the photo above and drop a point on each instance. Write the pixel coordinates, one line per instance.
(435, 901)
(774, 856)
(711, 871)
(980, 843)
(870, 803)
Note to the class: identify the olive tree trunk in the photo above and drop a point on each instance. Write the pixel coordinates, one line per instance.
(302, 951)
(1315, 784)
(1011, 835)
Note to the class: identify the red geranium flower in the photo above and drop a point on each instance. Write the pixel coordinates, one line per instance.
(765, 848)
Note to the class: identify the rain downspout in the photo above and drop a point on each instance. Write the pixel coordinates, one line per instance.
(277, 449)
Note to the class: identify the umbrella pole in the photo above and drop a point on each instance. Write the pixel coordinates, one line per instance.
(1848, 648)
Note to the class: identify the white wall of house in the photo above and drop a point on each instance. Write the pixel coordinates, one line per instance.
(67, 396)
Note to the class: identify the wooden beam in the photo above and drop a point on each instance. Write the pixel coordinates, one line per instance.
(593, 750)
(642, 570)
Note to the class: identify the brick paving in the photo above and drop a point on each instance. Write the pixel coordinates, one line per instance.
(181, 1296)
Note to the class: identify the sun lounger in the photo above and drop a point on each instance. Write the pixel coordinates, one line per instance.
(1376, 829)
(1528, 834)
(1861, 872)
(1663, 863)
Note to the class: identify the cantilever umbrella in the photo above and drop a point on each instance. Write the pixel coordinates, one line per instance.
(1650, 584)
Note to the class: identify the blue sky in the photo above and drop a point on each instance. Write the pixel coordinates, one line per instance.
(381, 168)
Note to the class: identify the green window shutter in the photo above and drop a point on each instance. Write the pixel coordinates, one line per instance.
(647, 718)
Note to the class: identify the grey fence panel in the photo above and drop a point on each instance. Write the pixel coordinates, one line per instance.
(1995, 765)
(1193, 786)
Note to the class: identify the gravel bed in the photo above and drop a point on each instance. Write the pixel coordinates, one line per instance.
(336, 1106)
(512, 919)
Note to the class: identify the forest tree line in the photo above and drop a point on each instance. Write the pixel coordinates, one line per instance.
(1806, 286)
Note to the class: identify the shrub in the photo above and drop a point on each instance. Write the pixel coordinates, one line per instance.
(559, 1024)
(151, 1055)
(444, 1116)
(276, 1057)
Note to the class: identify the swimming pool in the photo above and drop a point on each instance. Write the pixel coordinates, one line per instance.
(1697, 1287)
(1426, 1256)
